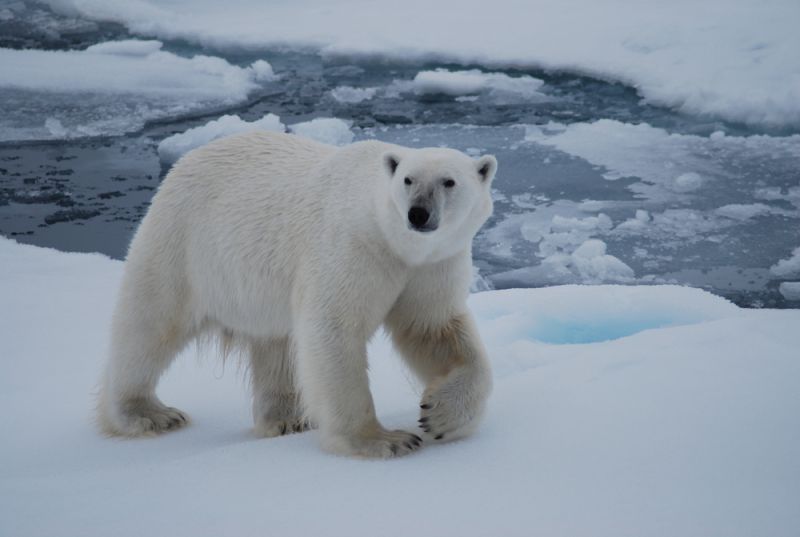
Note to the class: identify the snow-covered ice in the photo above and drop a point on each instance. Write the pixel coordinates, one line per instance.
(742, 211)
(790, 290)
(170, 149)
(567, 252)
(670, 166)
(789, 266)
(112, 88)
(472, 82)
(790, 194)
(736, 61)
(328, 130)
(616, 411)
(351, 95)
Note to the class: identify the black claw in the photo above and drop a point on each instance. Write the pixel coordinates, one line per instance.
(283, 428)
(438, 436)
(393, 448)
(417, 438)
(423, 420)
(426, 406)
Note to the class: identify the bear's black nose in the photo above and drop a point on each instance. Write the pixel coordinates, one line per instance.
(418, 216)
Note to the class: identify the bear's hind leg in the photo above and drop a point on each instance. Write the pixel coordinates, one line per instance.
(276, 403)
(143, 344)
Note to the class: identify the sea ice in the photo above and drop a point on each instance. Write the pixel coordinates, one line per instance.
(121, 84)
(790, 290)
(172, 148)
(563, 263)
(472, 82)
(774, 193)
(671, 167)
(788, 267)
(351, 95)
(687, 182)
(328, 130)
(745, 211)
(736, 62)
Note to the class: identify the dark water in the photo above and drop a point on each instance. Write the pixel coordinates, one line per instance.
(89, 194)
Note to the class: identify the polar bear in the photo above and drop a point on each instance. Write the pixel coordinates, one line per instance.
(298, 252)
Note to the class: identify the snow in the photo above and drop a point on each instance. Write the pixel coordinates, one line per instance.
(172, 148)
(788, 267)
(328, 130)
(790, 290)
(737, 61)
(616, 411)
(122, 84)
(472, 82)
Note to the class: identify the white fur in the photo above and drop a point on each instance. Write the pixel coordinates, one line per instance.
(301, 251)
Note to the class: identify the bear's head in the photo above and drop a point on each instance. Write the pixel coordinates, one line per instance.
(439, 197)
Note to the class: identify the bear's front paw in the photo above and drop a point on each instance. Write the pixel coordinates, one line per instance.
(452, 406)
(380, 444)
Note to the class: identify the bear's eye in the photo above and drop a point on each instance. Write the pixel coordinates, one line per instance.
(407, 180)
(449, 183)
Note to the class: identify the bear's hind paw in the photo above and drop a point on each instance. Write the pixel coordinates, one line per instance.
(144, 418)
(273, 428)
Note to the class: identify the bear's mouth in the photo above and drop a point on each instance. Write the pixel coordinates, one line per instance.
(427, 228)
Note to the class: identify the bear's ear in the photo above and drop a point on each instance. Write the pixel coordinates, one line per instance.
(486, 166)
(390, 163)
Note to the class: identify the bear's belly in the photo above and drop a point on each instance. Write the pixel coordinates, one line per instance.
(258, 308)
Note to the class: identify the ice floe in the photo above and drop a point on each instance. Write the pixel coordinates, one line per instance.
(112, 88)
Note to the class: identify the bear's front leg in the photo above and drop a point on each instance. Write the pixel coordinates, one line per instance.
(332, 374)
(450, 358)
